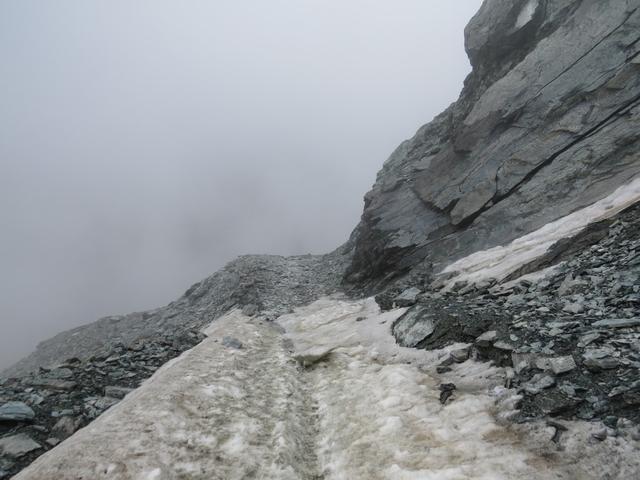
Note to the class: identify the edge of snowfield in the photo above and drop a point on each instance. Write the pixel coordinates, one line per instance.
(332, 398)
(498, 262)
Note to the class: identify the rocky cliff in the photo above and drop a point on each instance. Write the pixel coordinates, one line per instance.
(548, 122)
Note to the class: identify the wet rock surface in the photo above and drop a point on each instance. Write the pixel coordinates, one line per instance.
(40, 410)
(567, 362)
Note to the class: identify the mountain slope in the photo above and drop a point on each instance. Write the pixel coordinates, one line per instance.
(514, 217)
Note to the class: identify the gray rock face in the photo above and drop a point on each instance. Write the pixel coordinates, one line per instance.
(547, 123)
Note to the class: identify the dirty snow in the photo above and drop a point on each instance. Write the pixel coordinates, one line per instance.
(361, 408)
(499, 262)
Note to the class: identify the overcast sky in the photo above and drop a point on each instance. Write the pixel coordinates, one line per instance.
(143, 144)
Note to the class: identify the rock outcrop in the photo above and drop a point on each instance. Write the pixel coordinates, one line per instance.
(548, 122)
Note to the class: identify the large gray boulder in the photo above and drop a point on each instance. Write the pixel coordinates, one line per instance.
(548, 122)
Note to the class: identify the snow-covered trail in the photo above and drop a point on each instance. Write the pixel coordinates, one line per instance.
(216, 412)
(333, 398)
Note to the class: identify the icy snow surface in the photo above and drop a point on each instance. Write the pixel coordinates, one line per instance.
(498, 262)
(361, 408)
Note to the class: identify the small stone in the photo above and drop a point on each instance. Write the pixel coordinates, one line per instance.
(610, 421)
(559, 428)
(117, 392)
(599, 360)
(515, 299)
(61, 373)
(522, 361)
(35, 399)
(568, 389)
(53, 384)
(65, 427)
(573, 308)
(446, 390)
(619, 390)
(600, 434)
(487, 338)
(102, 403)
(18, 445)
(460, 355)
(617, 323)
(562, 364)
(539, 382)
(232, 342)
(53, 441)
(631, 398)
(250, 310)
(407, 298)
(500, 345)
(313, 355)
(588, 338)
(16, 412)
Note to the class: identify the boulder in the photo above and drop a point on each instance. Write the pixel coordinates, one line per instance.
(117, 392)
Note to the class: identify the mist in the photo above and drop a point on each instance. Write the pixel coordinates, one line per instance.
(145, 144)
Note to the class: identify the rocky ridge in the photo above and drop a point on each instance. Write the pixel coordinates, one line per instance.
(269, 284)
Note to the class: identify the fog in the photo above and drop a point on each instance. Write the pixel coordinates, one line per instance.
(145, 144)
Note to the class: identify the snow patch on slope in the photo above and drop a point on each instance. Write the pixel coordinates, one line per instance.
(499, 262)
(364, 409)
(213, 413)
(379, 409)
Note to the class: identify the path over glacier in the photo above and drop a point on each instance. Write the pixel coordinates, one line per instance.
(361, 408)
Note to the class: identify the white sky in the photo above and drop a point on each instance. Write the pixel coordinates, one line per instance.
(144, 144)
